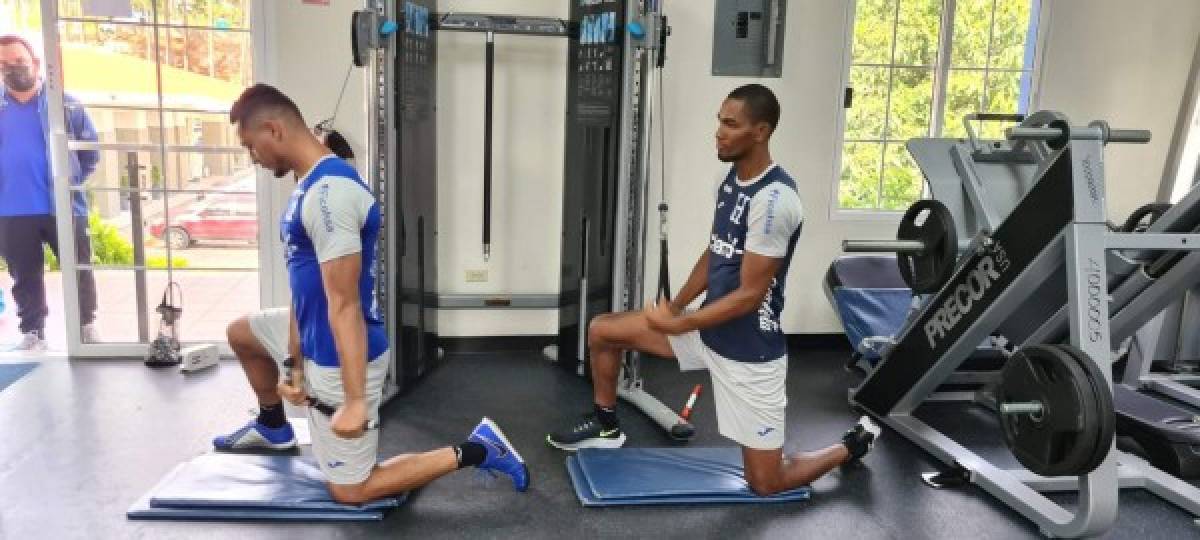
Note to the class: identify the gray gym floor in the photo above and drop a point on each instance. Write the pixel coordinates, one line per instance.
(80, 441)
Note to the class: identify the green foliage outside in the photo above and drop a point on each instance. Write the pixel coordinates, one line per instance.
(222, 52)
(110, 249)
(877, 171)
(160, 261)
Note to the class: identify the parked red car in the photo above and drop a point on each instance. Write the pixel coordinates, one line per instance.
(220, 218)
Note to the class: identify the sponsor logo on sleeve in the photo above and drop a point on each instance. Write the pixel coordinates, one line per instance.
(326, 215)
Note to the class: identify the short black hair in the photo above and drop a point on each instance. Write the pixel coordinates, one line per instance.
(262, 99)
(759, 102)
(10, 39)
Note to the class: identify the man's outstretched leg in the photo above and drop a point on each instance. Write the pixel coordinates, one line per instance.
(769, 472)
(259, 341)
(609, 336)
(486, 448)
(350, 464)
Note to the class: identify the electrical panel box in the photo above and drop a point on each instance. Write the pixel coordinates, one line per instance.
(748, 38)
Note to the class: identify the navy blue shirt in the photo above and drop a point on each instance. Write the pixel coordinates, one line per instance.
(763, 216)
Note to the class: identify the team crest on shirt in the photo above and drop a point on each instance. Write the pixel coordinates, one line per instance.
(739, 208)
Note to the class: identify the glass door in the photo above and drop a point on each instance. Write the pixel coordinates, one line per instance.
(171, 198)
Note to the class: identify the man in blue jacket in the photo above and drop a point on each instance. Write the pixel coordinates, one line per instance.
(27, 192)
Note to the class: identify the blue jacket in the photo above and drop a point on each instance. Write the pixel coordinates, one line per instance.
(79, 128)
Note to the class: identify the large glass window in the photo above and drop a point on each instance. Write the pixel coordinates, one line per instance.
(903, 84)
(173, 195)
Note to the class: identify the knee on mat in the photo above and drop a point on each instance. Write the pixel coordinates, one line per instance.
(348, 494)
(761, 484)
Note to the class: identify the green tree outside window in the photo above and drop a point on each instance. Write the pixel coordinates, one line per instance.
(893, 72)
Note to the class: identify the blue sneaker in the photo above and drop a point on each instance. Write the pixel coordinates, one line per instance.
(501, 456)
(256, 435)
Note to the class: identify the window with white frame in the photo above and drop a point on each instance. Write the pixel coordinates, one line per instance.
(173, 195)
(915, 68)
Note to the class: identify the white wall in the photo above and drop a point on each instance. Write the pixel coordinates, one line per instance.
(529, 106)
(308, 55)
(1109, 59)
(1126, 63)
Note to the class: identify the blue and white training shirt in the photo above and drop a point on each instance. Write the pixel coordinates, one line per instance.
(331, 214)
(762, 215)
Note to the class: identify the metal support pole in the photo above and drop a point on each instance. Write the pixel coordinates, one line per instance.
(581, 345)
(1189, 107)
(487, 145)
(637, 130)
(139, 245)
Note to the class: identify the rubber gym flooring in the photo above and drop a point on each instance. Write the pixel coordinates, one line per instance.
(81, 440)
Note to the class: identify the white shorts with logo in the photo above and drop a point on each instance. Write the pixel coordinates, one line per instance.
(751, 397)
(344, 461)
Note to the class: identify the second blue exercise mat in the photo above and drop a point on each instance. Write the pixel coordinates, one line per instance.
(253, 481)
(641, 476)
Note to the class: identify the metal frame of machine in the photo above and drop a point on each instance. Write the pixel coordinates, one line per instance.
(604, 222)
(1001, 283)
(979, 182)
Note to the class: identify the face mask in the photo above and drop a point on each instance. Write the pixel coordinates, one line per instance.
(19, 78)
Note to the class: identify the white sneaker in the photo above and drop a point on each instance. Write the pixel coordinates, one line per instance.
(31, 342)
(88, 333)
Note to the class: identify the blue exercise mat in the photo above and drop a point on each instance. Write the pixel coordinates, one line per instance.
(645, 476)
(141, 510)
(10, 373)
(291, 487)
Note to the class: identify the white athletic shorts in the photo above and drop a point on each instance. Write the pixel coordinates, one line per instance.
(751, 397)
(344, 461)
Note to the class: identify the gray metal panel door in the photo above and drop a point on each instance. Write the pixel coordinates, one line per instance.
(748, 38)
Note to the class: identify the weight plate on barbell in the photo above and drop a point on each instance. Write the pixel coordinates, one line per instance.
(1061, 440)
(928, 221)
(1105, 409)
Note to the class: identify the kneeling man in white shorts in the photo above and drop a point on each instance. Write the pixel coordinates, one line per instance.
(331, 340)
(736, 334)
